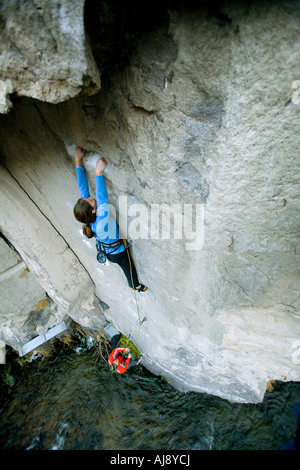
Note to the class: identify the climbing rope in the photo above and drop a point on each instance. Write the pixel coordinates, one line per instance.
(133, 287)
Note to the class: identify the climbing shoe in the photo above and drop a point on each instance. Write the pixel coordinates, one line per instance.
(142, 288)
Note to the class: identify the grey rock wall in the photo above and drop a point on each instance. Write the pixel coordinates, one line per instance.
(24, 304)
(202, 117)
(44, 51)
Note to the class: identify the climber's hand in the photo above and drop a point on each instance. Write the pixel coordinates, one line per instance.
(79, 153)
(100, 165)
(127, 349)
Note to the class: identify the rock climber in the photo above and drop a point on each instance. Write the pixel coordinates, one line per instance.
(116, 361)
(94, 214)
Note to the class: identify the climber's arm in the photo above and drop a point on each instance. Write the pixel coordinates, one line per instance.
(80, 172)
(119, 350)
(101, 192)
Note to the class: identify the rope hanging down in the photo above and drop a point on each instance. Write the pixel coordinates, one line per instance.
(133, 287)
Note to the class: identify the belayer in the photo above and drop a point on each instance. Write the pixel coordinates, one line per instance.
(119, 359)
(98, 223)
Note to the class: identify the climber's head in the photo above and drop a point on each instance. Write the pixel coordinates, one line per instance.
(113, 367)
(85, 210)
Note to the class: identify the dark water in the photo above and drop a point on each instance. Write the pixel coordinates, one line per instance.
(71, 401)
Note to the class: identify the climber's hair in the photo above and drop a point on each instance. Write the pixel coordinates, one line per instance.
(87, 231)
(83, 213)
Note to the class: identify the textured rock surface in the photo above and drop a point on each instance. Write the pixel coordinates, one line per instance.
(44, 51)
(48, 257)
(201, 114)
(23, 301)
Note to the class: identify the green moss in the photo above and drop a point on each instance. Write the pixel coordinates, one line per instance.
(126, 343)
(24, 359)
(6, 376)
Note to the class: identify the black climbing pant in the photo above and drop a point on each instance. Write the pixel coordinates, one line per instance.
(122, 260)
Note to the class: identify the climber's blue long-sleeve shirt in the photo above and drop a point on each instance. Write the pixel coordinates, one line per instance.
(105, 226)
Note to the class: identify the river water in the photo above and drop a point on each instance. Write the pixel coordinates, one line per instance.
(71, 401)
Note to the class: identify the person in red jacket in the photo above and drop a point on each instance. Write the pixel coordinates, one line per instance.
(116, 361)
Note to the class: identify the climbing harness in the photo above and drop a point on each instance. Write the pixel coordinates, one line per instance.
(101, 253)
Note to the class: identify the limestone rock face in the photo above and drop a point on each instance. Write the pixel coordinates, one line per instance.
(23, 301)
(44, 51)
(200, 129)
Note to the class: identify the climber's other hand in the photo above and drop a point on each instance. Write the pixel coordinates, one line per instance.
(100, 165)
